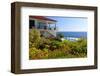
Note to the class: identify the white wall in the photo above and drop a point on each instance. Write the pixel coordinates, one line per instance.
(5, 27)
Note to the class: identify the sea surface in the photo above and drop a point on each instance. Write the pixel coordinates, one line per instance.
(73, 35)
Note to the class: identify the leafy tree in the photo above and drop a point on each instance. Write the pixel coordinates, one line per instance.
(60, 35)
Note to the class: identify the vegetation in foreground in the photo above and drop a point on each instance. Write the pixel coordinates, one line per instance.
(49, 48)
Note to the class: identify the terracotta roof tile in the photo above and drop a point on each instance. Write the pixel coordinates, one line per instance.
(42, 18)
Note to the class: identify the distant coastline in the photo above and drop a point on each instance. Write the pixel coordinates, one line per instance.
(73, 35)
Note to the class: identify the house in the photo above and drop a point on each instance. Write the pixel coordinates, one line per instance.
(46, 26)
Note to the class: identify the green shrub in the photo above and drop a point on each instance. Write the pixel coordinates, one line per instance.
(44, 43)
(79, 47)
(60, 35)
(37, 53)
(44, 48)
(34, 38)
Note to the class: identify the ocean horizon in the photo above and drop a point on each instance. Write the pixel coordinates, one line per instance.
(73, 35)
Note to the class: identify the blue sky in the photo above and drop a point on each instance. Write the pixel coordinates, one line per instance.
(75, 24)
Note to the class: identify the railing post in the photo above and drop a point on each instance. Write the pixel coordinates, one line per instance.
(55, 26)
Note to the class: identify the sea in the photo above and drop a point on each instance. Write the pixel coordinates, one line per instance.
(72, 36)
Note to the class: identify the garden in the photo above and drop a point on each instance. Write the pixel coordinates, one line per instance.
(51, 48)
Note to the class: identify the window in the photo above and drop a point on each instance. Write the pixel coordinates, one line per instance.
(31, 23)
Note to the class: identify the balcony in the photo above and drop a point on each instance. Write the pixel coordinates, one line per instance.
(47, 28)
